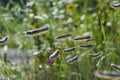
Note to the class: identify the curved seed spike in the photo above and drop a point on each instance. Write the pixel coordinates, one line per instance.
(88, 40)
(115, 5)
(81, 38)
(97, 55)
(36, 53)
(63, 36)
(36, 31)
(86, 46)
(107, 75)
(73, 59)
(54, 54)
(69, 49)
(116, 67)
(4, 39)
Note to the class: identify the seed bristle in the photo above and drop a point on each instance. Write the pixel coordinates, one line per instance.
(116, 67)
(88, 40)
(107, 75)
(115, 5)
(73, 59)
(69, 49)
(4, 39)
(96, 55)
(86, 45)
(36, 31)
(54, 54)
(63, 36)
(81, 38)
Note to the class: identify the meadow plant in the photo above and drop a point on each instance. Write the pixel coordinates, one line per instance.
(69, 40)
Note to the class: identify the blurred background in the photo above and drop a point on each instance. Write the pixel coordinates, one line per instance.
(24, 57)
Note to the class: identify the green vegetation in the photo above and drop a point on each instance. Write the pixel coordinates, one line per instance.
(56, 53)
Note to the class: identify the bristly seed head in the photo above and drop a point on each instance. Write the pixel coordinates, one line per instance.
(36, 31)
(63, 36)
(95, 56)
(115, 5)
(73, 59)
(107, 75)
(54, 54)
(36, 53)
(4, 39)
(86, 46)
(88, 40)
(116, 67)
(69, 49)
(81, 38)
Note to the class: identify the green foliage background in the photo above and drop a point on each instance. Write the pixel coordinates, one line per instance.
(78, 17)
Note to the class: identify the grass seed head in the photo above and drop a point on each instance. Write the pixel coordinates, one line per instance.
(81, 38)
(4, 39)
(107, 75)
(36, 31)
(73, 59)
(115, 5)
(54, 54)
(115, 67)
(88, 40)
(37, 53)
(69, 49)
(95, 56)
(63, 36)
(86, 45)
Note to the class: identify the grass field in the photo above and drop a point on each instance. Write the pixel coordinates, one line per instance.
(68, 40)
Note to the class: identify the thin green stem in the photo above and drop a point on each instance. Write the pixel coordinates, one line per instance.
(103, 31)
